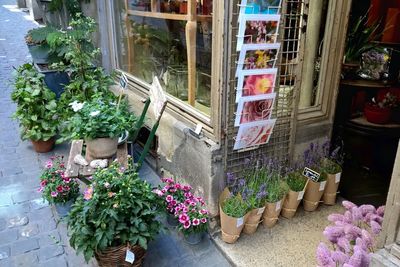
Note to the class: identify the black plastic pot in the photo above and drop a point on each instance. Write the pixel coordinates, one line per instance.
(55, 80)
(39, 53)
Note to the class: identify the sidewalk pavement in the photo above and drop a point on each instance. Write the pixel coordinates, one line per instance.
(31, 234)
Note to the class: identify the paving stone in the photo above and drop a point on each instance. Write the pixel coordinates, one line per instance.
(18, 221)
(48, 226)
(46, 253)
(25, 196)
(29, 230)
(27, 259)
(3, 224)
(6, 263)
(4, 252)
(38, 215)
(11, 171)
(8, 236)
(49, 238)
(56, 262)
(24, 246)
(38, 204)
(5, 199)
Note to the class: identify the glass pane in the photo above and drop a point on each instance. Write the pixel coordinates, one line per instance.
(157, 46)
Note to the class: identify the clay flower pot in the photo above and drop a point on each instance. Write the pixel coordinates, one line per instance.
(332, 184)
(291, 203)
(271, 213)
(253, 220)
(41, 146)
(101, 148)
(313, 194)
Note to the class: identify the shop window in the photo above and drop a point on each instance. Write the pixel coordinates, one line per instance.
(155, 37)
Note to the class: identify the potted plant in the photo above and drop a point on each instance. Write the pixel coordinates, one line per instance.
(296, 183)
(56, 188)
(117, 216)
(99, 123)
(379, 112)
(331, 165)
(312, 158)
(38, 47)
(233, 212)
(36, 108)
(172, 194)
(276, 192)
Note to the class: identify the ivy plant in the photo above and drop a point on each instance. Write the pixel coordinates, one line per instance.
(36, 105)
(116, 209)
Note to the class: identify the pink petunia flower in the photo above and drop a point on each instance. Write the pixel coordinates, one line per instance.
(54, 194)
(67, 188)
(158, 192)
(43, 183)
(196, 221)
(88, 194)
(67, 180)
(183, 218)
(40, 189)
(49, 164)
(203, 211)
(173, 203)
(59, 188)
(169, 198)
(203, 220)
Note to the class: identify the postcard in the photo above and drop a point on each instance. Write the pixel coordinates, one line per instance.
(254, 108)
(254, 134)
(255, 82)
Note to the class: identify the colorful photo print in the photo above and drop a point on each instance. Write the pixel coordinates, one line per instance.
(255, 82)
(260, 57)
(254, 134)
(254, 108)
(258, 29)
(260, 6)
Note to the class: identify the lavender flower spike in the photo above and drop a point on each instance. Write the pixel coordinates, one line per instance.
(324, 256)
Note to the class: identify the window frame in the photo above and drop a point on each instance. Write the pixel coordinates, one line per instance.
(177, 108)
(329, 77)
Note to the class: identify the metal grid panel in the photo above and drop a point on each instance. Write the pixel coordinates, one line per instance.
(288, 59)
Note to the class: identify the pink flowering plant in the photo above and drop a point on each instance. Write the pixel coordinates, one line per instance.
(351, 235)
(116, 209)
(54, 185)
(189, 210)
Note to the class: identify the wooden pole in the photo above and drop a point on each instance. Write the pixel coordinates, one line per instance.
(191, 31)
(154, 6)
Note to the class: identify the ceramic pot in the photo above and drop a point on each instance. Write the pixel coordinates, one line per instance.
(271, 213)
(332, 185)
(41, 146)
(193, 238)
(291, 204)
(64, 208)
(376, 114)
(102, 148)
(313, 194)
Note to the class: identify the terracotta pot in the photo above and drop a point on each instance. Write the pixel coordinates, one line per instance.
(253, 220)
(101, 148)
(291, 203)
(332, 185)
(41, 146)
(231, 227)
(313, 194)
(376, 114)
(271, 213)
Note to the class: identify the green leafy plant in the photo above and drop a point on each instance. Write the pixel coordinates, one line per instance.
(117, 209)
(98, 119)
(72, 6)
(55, 187)
(296, 181)
(360, 39)
(36, 105)
(276, 189)
(234, 206)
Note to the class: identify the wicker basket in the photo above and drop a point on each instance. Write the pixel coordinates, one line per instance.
(115, 256)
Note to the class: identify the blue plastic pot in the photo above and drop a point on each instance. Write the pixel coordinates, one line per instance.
(55, 80)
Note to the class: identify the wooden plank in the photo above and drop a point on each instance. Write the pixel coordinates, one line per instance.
(73, 168)
(129, 38)
(191, 33)
(158, 15)
(154, 6)
(122, 155)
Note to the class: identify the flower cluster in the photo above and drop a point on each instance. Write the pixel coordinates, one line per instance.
(54, 185)
(184, 205)
(352, 236)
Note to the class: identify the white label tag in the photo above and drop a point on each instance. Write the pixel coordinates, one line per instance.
(300, 196)
(322, 186)
(337, 177)
(260, 211)
(130, 256)
(199, 127)
(278, 206)
(123, 81)
(239, 222)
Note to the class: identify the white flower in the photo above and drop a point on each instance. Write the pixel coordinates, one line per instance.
(76, 106)
(94, 113)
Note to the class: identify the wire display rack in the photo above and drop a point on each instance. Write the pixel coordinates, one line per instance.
(286, 89)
